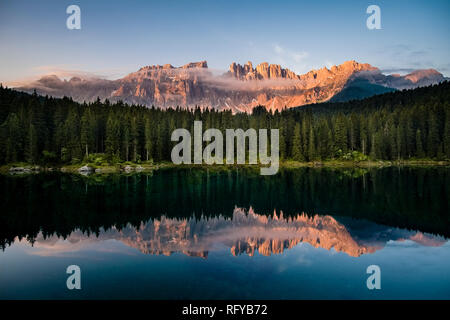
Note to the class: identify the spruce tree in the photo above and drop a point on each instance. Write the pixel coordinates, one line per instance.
(297, 154)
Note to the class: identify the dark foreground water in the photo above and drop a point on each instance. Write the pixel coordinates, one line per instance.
(193, 234)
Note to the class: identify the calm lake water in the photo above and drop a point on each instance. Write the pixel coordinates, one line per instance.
(196, 234)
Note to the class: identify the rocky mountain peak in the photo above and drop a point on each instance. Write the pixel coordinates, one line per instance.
(201, 64)
(263, 71)
(190, 65)
(419, 75)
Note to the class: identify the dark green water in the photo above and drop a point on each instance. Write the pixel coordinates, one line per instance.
(197, 234)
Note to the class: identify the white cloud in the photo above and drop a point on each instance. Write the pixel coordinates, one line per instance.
(298, 57)
(278, 49)
(66, 72)
(292, 59)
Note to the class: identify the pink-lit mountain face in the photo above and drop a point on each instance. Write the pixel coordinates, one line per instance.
(240, 89)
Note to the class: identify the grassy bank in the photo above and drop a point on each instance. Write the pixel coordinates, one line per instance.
(364, 164)
(142, 167)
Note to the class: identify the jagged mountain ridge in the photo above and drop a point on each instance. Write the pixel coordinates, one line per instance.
(240, 89)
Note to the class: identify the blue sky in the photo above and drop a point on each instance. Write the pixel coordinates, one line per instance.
(118, 37)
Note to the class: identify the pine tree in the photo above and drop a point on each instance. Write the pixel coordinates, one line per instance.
(32, 150)
(72, 129)
(112, 142)
(87, 131)
(282, 143)
(433, 136)
(373, 148)
(340, 134)
(134, 138)
(419, 148)
(446, 138)
(311, 145)
(297, 153)
(12, 137)
(304, 137)
(148, 139)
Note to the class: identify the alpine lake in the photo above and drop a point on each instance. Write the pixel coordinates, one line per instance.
(304, 233)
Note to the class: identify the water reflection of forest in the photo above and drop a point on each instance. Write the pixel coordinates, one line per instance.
(57, 204)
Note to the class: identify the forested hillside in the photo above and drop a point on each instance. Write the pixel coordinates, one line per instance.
(398, 125)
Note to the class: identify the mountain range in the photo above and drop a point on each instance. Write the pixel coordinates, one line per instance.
(240, 89)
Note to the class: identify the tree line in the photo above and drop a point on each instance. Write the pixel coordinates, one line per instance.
(399, 125)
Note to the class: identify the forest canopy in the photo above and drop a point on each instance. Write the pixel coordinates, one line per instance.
(408, 124)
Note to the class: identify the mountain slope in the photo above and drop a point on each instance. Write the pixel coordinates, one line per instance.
(359, 89)
(240, 89)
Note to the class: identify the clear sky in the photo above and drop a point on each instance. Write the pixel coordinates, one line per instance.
(118, 37)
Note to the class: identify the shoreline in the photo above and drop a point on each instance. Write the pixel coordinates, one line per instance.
(24, 168)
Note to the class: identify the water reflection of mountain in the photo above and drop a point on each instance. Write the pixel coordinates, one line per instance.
(246, 233)
(55, 203)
